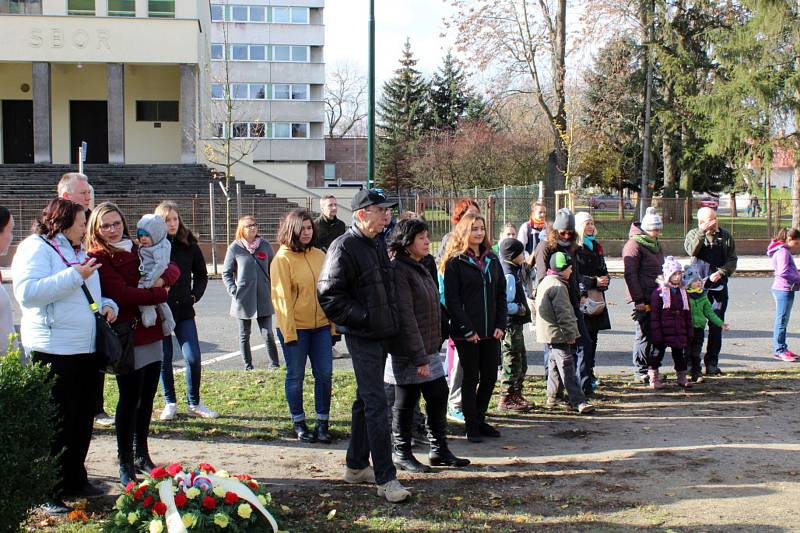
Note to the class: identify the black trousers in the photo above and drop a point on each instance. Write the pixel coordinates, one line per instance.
(406, 398)
(73, 393)
(678, 357)
(479, 362)
(100, 385)
(135, 407)
(719, 302)
(695, 348)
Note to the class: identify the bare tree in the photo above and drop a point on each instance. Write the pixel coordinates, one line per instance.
(521, 37)
(345, 105)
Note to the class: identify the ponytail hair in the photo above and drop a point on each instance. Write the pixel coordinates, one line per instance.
(787, 234)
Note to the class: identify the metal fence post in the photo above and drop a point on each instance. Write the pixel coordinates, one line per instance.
(490, 204)
(238, 201)
(504, 204)
(685, 216)
(213, 232)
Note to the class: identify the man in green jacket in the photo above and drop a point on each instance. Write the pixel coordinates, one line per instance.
(715, 248)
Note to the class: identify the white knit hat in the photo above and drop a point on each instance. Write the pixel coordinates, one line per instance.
(581, 218)
(651, 220)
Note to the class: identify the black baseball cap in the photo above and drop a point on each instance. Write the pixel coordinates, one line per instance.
(367, 197)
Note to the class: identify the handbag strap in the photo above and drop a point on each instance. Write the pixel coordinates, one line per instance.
(92, 304)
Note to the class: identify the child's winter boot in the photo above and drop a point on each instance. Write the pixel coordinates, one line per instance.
(655, 380)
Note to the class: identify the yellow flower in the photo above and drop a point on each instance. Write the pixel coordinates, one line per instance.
(221, 519)
(223, 473)
(120, 502)
(219, 492)
(193, 493)
(132, 517)
(244, 510)
(189, 520)
(156, 526)
(262, 500)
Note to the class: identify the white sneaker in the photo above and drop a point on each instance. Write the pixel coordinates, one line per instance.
(169, 412)
(393, 491)
(104, 420)
(585, 408)
(364, 475)
(202, 411)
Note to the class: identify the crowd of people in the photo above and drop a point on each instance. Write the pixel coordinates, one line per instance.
(377, 284)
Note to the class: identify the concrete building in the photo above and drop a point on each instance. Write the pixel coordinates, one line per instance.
(122, 75)
(265, 89)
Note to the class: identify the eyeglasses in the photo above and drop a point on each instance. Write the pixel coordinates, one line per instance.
(565, 233)
(108, 227)
(251, 226)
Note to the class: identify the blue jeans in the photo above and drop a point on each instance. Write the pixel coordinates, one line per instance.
(186, 333)
(316, 345)
(783, 309)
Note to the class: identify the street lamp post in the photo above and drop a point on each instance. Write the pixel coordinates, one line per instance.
(371, 99)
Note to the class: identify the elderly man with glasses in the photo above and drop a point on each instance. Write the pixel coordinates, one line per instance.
(357, 292)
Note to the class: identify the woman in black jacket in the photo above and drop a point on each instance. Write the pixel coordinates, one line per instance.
(475, 297)
(413, 366)
(593, 277)
(182, 297)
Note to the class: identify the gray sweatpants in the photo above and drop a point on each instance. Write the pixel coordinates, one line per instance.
(561, 373)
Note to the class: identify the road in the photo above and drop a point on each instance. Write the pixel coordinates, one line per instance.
(747, 346)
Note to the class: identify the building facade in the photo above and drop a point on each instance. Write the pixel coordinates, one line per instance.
(263, 100)
(125, 76)
(345, 162)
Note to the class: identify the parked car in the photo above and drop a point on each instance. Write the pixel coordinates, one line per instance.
(608, 201)
(707, 201)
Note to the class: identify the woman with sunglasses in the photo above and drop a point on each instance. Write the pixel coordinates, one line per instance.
(246, 276)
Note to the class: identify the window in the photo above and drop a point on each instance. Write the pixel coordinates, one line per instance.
(239, 14)
(247, 130)
(258, 52)
(283, 130)
(239, 91)
(217, 91)
(80, 7)
(258, 14)
(239, 52)
(299, 92)
(297, 54)
(218, 130)
(282, 91)
(281, 15)
(257, 130)
(240, 130)
(299, 131)
(121, 8)
(156, 111)
(217, 13)
(161, 8)
(330, 171)
(300, 54)
(21, 7)
(258, 91)
(299, 15)
(216, 52)
(281, 53)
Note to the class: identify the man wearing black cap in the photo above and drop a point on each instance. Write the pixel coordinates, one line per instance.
(356, 291)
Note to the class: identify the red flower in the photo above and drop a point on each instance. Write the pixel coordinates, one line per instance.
(252, 484)
(129, 487)
(148, 501)
(180, 500)
(160, 508)
(209, 503)
(243, 477)
(261, 255)
(158, 473)
(231, 498)
(208, 468)
(138, 494)
(174, 469)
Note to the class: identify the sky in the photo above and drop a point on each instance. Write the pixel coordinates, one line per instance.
(346, 34)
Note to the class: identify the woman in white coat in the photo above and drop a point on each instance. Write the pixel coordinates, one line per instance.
(58, 330)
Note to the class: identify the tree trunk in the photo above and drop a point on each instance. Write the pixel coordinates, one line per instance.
(670, 177)
(733, 204)
(556, 177)
(796, 181)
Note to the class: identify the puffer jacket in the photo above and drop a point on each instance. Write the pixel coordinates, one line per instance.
(787, 278)
(556, 322)
(670, 327)
(592, 265)
(475, 295)
(56, 317)
(356, 287)
(191, 286)
(418, 303)
(542, 255)
(641, 266)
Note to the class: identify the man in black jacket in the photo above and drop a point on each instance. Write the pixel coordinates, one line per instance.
(328, 224)
(356, 291)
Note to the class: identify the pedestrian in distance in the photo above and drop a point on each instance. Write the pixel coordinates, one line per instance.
(557, 328)
(328, 224)
(413, 366)
(305, 333)
(183, 296)
(534, 230)
(356, 290)
(245, 273)
(786, 282)
(475, 298)
(702, 314)
(671, 323)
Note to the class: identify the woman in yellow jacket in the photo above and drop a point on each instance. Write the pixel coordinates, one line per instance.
(303, 329)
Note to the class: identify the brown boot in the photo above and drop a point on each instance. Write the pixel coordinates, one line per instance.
(655, 380)
(520, 400)
(508, 402)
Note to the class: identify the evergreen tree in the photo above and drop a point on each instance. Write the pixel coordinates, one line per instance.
(403, 115)
(449, 98)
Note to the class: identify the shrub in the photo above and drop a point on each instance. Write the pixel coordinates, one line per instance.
(25, 435)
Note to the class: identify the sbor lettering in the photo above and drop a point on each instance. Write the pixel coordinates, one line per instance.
(57, 38)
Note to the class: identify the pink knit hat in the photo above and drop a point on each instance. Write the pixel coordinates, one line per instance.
(670, 267)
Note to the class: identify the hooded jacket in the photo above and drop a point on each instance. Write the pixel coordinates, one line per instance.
(556, 322)
(787, 278)
(672, 326)
(702, 312)
(642, 266)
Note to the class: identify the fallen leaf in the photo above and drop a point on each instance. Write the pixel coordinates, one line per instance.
(331, 514)
(285, 508)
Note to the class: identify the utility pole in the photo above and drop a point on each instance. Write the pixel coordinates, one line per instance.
(648, 133)
(371, 99)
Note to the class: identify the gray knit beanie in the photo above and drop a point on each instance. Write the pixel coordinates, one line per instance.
(565, 220)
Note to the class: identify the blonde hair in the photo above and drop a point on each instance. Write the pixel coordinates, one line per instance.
(94, 240)
(242, 223)
(458, 243)
(579, 231)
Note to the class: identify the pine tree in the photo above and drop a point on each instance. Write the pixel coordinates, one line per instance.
(403, 115)
(449, 98)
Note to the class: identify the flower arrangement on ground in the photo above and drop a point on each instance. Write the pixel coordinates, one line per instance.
(174, 500)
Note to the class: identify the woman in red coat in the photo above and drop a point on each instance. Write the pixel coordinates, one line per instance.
(108, 240)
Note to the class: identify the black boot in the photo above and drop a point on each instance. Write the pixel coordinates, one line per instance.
(303, 433)
(142, 460)
(127, 470)
(321, 432)
(404, 460)
(272, 351)
(440, 454)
